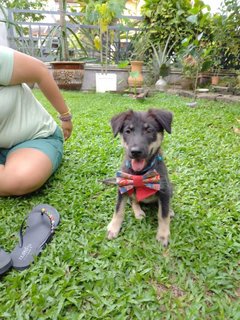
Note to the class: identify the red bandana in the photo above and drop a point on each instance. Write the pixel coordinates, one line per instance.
(144, 186)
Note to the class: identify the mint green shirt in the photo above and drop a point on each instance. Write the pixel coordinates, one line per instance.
(22, 117)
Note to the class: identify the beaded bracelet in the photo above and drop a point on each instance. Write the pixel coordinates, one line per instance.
(66, 117)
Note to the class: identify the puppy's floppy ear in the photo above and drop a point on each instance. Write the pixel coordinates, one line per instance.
(118, 120)
(163, 117)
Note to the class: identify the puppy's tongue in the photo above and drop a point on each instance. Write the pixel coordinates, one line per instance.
(138, 165)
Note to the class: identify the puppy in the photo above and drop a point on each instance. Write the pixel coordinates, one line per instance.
(143, 176)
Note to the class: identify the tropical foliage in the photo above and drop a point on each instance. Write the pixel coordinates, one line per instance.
(182, 19)
(174, 18)
(226, 34)
(103, 14)
(25, 4)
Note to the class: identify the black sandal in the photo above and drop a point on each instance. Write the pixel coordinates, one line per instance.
(5, 261)
(41, 224)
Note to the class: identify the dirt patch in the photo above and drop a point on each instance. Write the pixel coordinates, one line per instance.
(162, 289)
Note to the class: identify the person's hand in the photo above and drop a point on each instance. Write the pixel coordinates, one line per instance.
(67, 129)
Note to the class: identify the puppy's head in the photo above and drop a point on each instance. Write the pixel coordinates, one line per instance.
(141, 134)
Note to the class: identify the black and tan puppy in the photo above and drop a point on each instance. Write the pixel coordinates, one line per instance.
(141, 134)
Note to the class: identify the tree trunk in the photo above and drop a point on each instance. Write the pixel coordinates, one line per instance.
(63, 26)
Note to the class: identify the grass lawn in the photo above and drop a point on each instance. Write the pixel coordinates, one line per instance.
(82, 275)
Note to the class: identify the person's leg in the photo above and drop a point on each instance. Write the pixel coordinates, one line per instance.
(25, 167)
(24, 171)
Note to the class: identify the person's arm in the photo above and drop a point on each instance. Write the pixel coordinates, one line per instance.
(30, 70)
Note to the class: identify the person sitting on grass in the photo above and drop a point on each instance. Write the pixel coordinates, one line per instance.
(31, 143)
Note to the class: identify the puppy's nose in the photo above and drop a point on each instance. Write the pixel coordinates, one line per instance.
(136, 152)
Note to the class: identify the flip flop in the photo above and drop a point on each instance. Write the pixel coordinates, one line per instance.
(40, 228)
(35, 218)
(5, 261)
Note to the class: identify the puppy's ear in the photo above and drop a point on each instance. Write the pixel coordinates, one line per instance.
(163, 117)
(118, 121)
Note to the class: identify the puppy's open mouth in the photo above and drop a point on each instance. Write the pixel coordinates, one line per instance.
(138, 165)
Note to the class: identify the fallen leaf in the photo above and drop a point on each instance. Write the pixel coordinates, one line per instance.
(236, 130)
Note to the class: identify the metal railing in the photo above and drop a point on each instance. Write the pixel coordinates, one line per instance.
(42, 39)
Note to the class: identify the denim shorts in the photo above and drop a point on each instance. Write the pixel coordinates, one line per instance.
(52, 146)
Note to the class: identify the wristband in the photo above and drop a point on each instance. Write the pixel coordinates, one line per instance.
(65, 117)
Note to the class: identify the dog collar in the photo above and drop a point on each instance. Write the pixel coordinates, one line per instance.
(157, 158)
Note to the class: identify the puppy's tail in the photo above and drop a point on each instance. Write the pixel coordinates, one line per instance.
(109, 181)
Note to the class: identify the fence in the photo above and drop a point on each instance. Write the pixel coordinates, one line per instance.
(42, 39)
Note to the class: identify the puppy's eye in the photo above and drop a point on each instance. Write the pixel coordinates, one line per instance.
(128, 130)
(148, 130)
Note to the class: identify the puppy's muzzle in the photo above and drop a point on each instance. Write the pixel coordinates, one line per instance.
(136, 153)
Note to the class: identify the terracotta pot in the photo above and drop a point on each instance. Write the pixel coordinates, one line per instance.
(215, 80)
(238, 79)
(68, 74)
(137, 79)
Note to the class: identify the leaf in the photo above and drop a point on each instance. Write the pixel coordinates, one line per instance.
(193, 18)
(236, 130)
(180, 12)
(97, 42)
(199, 37)
(123, 64)
(206, 65)
(134, 74)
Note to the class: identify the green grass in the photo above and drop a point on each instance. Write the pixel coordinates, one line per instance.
(82, 275)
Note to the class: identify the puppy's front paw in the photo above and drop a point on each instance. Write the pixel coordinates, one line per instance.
(113, 230)
(171, 213)
(140, 214)
(163, 236)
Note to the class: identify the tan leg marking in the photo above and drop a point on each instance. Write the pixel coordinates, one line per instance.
(171, 213)
(163, 231)
(138, 212)
(115, 225)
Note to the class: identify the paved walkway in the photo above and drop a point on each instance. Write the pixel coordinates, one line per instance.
(216, 96)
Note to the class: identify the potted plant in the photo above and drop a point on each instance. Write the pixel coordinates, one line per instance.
(139, 46)
(189, 69)
(104, 14)
(67, 73)
(196, 59)
(161, 61)
(216, 67)
(238, 77)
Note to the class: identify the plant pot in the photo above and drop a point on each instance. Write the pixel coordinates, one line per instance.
(68, 74)
(238, 79)
(215, 80)
(106, 82)
(136, 78)
(161, 84)
(187, 83)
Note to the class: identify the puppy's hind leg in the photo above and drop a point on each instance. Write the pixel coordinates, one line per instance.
(118, 216)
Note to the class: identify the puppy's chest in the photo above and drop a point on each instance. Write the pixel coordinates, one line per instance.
(151, 199)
